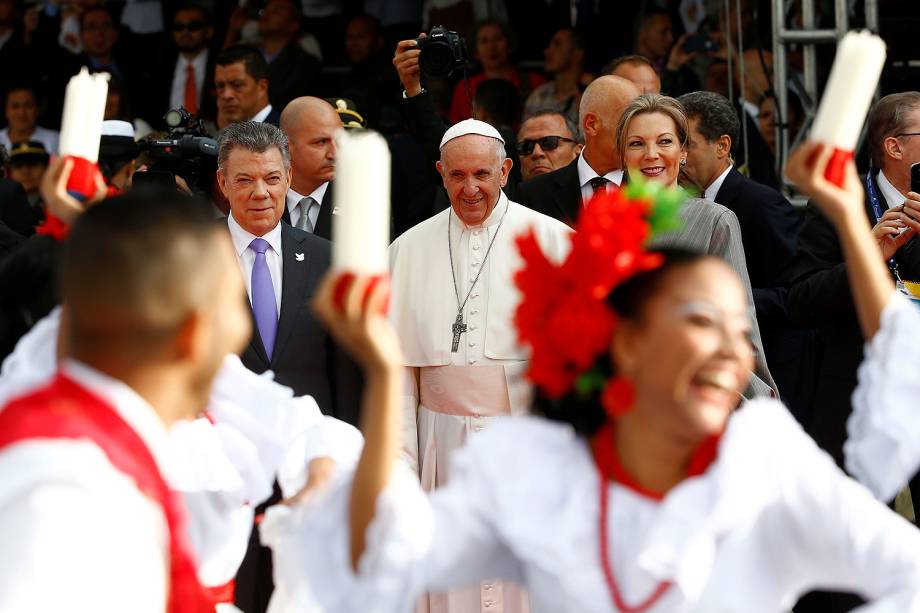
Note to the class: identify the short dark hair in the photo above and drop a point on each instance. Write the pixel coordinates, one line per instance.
(500, 99)
(95, 9)
(578, 39)
(254, 136)
(626, 59)
(585, 413)
(193, 6)
(716, 115)
(888, 118)
(20, 86)
(134, 267)
(570, 125)
(253, 61)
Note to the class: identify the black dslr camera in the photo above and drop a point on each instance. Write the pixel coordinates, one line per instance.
(442, 52)
(187, 152)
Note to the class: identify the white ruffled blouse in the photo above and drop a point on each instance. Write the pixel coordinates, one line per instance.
(883, 432)
(224, 465)
(770, 519)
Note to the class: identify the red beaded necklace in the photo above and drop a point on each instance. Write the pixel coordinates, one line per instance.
(609, 468)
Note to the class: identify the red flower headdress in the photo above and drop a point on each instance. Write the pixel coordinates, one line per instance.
(563, 315)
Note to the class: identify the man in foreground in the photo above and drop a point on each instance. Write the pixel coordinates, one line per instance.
(84, 506)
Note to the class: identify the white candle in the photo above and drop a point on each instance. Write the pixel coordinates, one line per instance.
(84, 109)
(361, 212)
(849, 91)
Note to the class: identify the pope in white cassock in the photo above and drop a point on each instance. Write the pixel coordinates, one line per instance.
(453, 303)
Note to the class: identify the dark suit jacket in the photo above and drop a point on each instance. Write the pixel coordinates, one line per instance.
(557, 193)
(769, 229)
(819, 296)
(306, 359)
(291, 74)
(15, 210)
(274, 117)
(323, 227)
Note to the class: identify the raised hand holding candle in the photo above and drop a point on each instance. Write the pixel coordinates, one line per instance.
(847, 96)
(361, 211)
(81, 128)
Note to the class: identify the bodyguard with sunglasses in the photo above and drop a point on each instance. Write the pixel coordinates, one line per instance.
(189, 67)
(547, 141)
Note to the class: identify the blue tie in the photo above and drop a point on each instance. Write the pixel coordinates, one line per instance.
(264, 306)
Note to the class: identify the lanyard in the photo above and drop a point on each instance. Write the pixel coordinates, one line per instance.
(878, 211)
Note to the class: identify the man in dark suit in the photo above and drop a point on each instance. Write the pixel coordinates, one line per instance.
(310, 124)
(562, 193)
(769, 228)
(292, 72)
(819, 292)
(281, 268)
(241, 85)
(187, 72)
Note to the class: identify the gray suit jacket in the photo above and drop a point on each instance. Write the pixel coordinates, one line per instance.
(711, 228)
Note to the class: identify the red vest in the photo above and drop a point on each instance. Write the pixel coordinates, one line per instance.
(66, 410)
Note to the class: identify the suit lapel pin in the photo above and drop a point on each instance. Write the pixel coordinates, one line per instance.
(298, 257)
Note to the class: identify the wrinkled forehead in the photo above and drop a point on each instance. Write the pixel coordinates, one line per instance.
(471, 150)
(244, 161)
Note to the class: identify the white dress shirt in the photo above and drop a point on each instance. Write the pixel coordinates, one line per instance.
(247, 257)
(294, 198)
(586, 173)
(715, 186)
(199, 65)
(889, 192)
(261, 115)
(77, 533)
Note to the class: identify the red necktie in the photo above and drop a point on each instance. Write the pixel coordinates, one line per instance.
(191, 90)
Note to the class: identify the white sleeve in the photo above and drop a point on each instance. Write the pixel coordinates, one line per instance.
(410, 418)
(77, 535)
(844, 539)
(286, 431)
(883, 446)
(413, 544)
(33, 361)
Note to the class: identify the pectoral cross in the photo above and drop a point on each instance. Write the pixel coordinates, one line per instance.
(459, 328)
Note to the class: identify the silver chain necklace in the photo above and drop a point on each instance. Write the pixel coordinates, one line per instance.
(458, 326)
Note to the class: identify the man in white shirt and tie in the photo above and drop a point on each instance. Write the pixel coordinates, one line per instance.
(191, 31)
(597, 167)
(310, 125)
(281, 268)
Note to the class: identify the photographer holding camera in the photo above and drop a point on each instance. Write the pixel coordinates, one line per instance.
(436, 56)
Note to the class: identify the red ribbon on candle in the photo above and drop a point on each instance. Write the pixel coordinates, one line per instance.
(82, 182)
(836, 166)
(344, 282)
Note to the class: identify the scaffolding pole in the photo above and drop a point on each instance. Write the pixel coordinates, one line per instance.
(809, 37)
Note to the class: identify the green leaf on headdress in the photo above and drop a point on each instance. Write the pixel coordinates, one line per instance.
(666, 202)
(589, 382)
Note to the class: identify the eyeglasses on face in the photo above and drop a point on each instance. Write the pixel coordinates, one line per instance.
(547, 143)
(190, 26)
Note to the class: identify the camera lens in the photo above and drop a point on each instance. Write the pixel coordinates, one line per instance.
(173, 118)
(437, 60)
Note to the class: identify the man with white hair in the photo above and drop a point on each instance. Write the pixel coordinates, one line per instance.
(453, 301)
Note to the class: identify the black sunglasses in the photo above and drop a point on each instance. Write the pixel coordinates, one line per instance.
(547, 143)
(191, 26)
